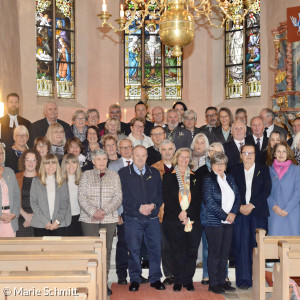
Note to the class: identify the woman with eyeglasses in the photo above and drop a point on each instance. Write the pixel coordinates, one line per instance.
(137, 135)
(78, 128)
(49, 200)
(221, 202)
(254, 183)
(56, 135)
(21, 136)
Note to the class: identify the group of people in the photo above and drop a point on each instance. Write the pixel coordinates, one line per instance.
(162, 185)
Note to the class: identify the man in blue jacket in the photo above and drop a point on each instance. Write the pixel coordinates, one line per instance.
(142, 198)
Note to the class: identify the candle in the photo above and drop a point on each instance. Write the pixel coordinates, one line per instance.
(107, 116)
(122, 12)
(0, 130)
(104, 6)
(125, 112)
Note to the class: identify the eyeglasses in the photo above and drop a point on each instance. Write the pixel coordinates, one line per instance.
(220, 164)
(21, 135)
(80, 119)
(59, 131)
(157, 134)
(125, 148)
(41, 145)
(248, 153)
(211, 116)
(93, 117)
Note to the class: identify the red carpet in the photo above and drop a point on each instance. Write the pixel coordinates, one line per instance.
(121, 292)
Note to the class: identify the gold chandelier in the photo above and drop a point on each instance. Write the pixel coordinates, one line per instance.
(177, 17)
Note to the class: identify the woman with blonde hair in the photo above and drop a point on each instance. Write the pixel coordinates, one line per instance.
(199, 149)
(9, 199)
(113, 126)
(181, 221)
(79, 127)
(71, 172)
(49, 200)
(21, 136)
(56, 135)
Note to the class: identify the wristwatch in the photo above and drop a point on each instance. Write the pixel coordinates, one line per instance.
(57, 222)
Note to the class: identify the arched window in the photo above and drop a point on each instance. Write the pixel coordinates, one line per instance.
(55, 48)
(148, 64)
(242, 56)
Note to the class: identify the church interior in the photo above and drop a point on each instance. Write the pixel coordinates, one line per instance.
(98, 75)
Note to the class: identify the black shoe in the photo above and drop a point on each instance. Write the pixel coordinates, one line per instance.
(177, 287)
(169, 280)
(122, 281)
(190, 287)
(243, 287)
(145, 264)
(134, 287)
(216, 289)
(228, 288)
(109, 292)
(144, 280)
(227, 280)
(158, 285)
(204, 281)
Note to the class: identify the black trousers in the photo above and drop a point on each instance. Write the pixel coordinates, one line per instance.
(166, 255)
(184, 247)
(44, 232)
(219, 240)
(74, 229)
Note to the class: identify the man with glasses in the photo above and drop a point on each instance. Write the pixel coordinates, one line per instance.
(157, 135)
(125, 149)
(211, 117)
(115, 111)
(233, 147)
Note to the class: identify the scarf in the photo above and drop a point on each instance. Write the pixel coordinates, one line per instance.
(184, 191)
(281, 167)
(80, 135)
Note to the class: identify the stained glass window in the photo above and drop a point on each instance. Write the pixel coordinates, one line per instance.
(242, 55)
(55, 48)
(149, 63)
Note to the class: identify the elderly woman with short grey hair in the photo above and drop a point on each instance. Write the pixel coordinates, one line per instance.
(79, 127)
(221, 202)
(100, 196)
(189, 120)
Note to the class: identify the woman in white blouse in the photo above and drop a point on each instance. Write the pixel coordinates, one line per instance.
(254, 184)
(71, 172)
(49, 200)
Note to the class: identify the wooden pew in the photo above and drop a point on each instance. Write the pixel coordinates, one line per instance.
(267, 248)
(43, 284)
(66, 244)
(289, 266)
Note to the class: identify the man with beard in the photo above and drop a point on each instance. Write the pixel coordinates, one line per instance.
(10, 121)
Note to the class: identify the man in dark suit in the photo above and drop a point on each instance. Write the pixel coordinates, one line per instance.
(241, 115)
(141, 112)
(114, 111)
(40, 127)
(233, 147)
(10, 121)
(268, 117)
(258, 139)
(211, 116)
(157, 135)
(158, 116)
(181, 137)
(296, 129)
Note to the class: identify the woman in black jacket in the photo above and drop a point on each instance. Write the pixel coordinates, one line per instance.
(254, 184)
(221, 203)
(181, 221)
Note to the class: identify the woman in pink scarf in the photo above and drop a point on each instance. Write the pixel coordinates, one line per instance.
(284, 201)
